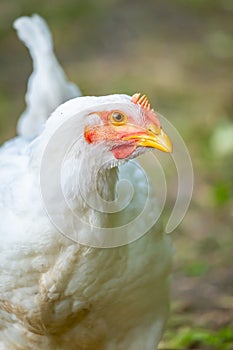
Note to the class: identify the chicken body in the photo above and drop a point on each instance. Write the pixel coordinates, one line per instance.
(55, 293)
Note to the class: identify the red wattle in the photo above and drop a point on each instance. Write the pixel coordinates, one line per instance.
(124, 151)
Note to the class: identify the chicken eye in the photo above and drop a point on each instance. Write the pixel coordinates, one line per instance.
(118, 118)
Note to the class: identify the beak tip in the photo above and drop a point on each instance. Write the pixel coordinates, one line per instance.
(166, 142)
(169, 148)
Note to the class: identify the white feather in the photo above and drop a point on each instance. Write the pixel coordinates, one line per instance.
(48, 86)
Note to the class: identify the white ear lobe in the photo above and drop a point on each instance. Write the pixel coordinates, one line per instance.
(94, 119)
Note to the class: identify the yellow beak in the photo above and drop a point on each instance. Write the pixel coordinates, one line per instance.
(158, 140)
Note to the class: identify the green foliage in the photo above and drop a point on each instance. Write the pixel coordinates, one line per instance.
(196, 268)
(188, 338)
(221, 193)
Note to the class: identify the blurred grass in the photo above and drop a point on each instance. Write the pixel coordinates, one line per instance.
(201, 339)
(180, 54)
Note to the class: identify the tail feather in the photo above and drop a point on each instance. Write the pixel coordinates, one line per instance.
(48, 86)
(35, 34)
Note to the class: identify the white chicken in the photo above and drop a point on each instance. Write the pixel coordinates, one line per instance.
(56, 293)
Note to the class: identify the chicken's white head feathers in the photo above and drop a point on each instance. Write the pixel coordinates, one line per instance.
(120, 123)
(91, 134)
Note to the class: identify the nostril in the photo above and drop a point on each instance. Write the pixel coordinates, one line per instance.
(154, 129)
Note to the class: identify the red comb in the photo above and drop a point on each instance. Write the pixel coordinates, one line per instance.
(141, 100)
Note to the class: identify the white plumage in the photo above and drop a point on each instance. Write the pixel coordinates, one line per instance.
(47, 86)
(56, 294)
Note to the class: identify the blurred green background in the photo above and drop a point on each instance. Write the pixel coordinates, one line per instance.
(180, 54)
